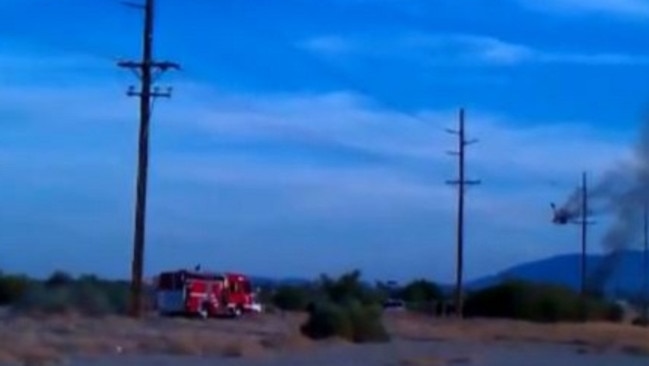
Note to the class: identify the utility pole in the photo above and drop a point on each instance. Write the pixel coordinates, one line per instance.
(645, 264)
(579, 215)
(584, 222)
(147, 70)
(462, 184)
(584, 231)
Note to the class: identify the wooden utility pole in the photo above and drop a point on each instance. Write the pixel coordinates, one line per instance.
(584, 232)
(146, 69)
(645, 265)
(462, 184)
(579, 215)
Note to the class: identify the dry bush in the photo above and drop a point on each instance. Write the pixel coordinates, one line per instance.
(352, 320)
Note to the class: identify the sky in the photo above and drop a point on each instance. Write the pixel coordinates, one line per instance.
(305, 137)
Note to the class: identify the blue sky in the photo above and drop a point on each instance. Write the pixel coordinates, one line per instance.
(308, 136)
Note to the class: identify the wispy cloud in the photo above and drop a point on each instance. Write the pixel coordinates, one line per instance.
(627, 8)
(348, 149)
(342, 122)
(249, 167)
(461, 49)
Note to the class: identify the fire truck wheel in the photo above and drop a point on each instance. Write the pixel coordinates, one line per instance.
(236, 312)
(204, 312)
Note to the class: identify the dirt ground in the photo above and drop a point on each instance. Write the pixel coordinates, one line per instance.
(593, 336)
(275, 339)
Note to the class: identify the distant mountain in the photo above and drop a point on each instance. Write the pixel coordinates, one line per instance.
(625, 277)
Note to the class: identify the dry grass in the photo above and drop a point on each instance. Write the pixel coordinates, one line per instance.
(435, 361)
(636, 350)
(591, 336)
(40, 341)
(423, 361)
(49, 340)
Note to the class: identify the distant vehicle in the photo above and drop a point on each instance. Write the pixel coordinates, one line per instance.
(204, 294)
(394, 304)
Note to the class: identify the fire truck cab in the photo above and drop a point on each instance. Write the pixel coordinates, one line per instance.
(204, 294)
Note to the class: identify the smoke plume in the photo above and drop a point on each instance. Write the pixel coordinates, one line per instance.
(621, 193)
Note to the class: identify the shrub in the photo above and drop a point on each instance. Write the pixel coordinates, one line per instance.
(265, 295)
(537, 302)
(421, 291)
(348, 288)
(598, 309)
(354, 322)
(59, 279)
(115, 293)
(421, 296)
(366, 323)
(348, 309)
(12, 289)
(88, 296)
(43, 300)
(641, 321)
(291, 298)
(92, 300)
(328, 320)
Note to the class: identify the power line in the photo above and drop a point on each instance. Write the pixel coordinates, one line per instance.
(462, 184)
(147, 70)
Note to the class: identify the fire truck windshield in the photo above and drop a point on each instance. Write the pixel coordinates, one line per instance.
(169, 281)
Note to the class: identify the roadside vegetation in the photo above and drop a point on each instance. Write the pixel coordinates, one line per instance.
(345, 307)
(65, 315)
(63, 294)
(543, 303)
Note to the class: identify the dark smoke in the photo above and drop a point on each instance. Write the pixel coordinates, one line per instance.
(621, 193)
(619, 237)
(603, 196)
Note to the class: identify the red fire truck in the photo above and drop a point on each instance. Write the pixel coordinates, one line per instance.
(204, 294)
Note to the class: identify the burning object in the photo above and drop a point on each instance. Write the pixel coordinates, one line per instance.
(563, 215)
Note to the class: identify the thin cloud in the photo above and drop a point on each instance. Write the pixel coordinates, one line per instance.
(460, 49)
(626, 8)
(407, 172)
(224, 160)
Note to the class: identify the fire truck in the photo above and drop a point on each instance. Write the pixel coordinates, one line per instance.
(204, 294)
